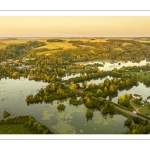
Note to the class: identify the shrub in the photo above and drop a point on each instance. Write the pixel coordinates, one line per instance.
(6, 114)
(61, 106)
(89, 113)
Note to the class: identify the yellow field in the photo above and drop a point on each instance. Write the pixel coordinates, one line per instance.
(143, 41)
(87, 39)
(48, 46)
(18, 41)
(13, 41)
(118, 48)
(56, 45)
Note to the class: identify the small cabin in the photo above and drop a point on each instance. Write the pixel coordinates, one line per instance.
(10, 61)
(137, 96)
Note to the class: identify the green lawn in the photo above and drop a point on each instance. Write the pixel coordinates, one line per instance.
(145, 110)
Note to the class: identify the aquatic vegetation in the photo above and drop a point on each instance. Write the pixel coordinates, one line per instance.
(115, 119)
(64, 115)
(47, 115)
(81, 131)
(105, 123)
(97, 120)
(63, 127)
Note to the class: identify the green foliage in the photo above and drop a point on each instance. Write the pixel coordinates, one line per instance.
(54, 40)
(75, 101)
(23, 125)
(15, 74)
(128, 122)
(108, 107)
(61, 107)
(89, 113)
(138, 102)
(6, 114)
(124, 100)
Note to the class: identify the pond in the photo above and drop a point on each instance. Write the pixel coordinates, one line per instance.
(71, 121)
(140, 89)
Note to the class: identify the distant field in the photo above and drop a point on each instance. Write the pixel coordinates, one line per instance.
(118, 48)
(143, 41)
(13, 41)
(56, 45)
(86, 39)
(18, 41)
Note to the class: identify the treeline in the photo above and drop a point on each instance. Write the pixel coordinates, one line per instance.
(29, 122)
(137, 125)
(55, 40)
(60, 90)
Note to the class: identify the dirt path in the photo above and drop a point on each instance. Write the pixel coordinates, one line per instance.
(135, 108)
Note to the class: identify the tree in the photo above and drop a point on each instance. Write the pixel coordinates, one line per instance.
(100, 93)
(6, 114)
(61, 106)
(15, 74)
(107, 82)
(128, 122)
(111, 89)
(73, 87)
(121, 99)
(106, 90)
(89, 113)
(84, 84)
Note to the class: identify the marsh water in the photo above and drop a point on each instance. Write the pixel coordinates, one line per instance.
(73, 120)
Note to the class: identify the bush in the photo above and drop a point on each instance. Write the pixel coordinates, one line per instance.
(128, 122)
(61, 106)
(6, 114)
(89, 113)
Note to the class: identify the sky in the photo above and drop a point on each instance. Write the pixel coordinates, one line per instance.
(74, 26)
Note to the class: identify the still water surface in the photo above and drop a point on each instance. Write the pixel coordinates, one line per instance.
(72, 120)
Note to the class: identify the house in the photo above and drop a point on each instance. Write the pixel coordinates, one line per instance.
(137, 96)
(10, 61)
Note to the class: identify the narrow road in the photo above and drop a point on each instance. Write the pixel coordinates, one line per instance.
(130, 113)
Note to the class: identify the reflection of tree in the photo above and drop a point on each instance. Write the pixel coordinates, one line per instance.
(126, 88)
(104, 115)
(111, 115)
(89, 114)
(88, 118)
